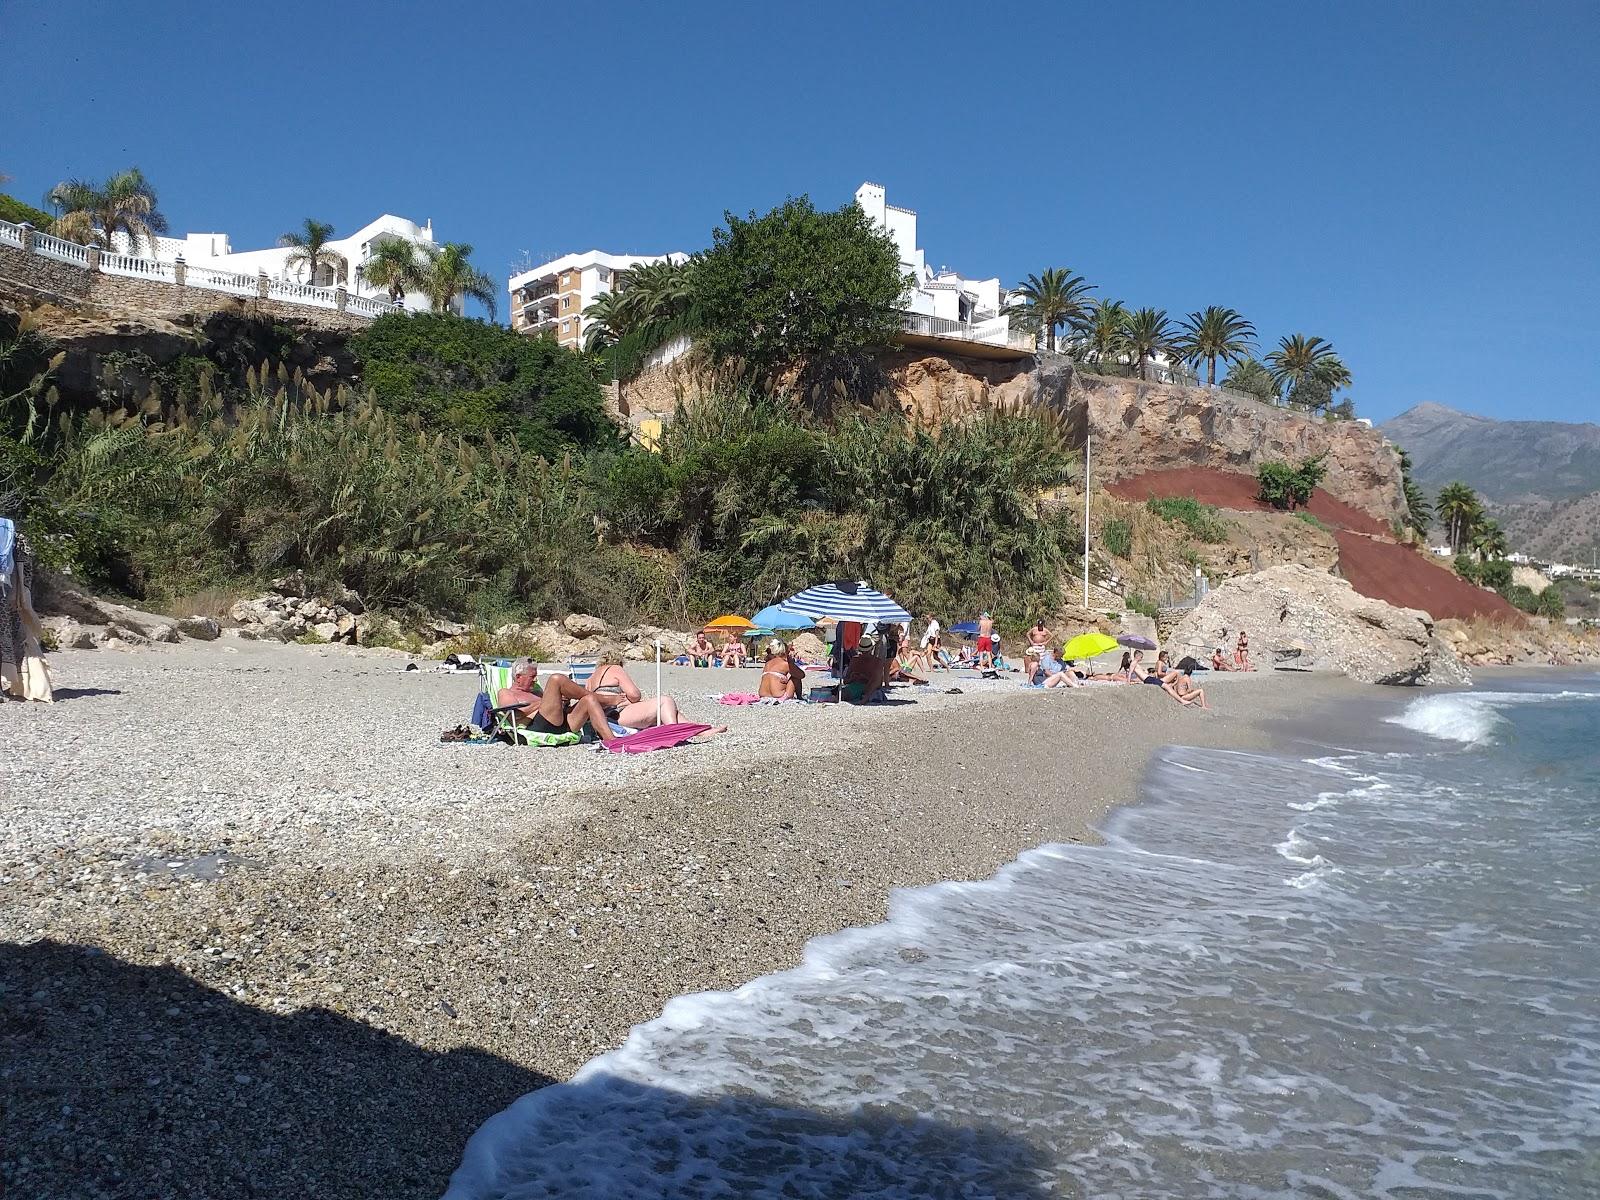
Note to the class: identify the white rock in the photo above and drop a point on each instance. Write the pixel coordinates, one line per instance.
(584, 625)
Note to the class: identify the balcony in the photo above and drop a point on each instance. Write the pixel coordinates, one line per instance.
(991, 338)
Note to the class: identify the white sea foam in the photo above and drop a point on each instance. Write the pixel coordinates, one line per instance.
(1471, 717)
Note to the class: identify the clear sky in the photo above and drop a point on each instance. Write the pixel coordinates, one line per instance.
(1417, 182)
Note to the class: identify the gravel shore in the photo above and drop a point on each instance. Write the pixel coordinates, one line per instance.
(264, 935)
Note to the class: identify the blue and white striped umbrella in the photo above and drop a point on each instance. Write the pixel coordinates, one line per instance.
(846, 600)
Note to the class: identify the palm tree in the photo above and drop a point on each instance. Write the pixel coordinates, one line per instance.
(393, 266)
(1103, 331)
(1253, 379)
(309, 246)
(1418, 511)
(448, 274)
(653, 293)
(1489, 540)
(1459, 509)
(1213, 334)
(92, 214)
(607, 322)
(1046, 302)
(1306, 363)
(1148, 334)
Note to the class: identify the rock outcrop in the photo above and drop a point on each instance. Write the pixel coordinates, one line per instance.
(1302, 617)
(288, 612)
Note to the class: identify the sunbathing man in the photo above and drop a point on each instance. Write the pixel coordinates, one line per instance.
(782, 678)
(560, 706)
(620, 696)
(1180, 686)
(1218, 661)
(702, 650)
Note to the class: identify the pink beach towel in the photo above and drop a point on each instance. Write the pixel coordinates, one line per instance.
(657, 737)
(736, 698)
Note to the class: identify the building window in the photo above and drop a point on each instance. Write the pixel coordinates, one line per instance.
(566, 303)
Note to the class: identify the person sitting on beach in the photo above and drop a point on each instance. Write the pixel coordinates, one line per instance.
(1241, 653)
(619, 695)
(1039, 637)
(1180, 686)
(1158, 673)
(732, 652)
(867, 675)
(782, 678)
(1218, 661)
(702, 650)
(1123, 673)
(558, 706)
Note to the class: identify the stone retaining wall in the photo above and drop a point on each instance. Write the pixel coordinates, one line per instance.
(31, 277)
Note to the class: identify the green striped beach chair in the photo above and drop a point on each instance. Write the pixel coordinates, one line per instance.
(494, 675)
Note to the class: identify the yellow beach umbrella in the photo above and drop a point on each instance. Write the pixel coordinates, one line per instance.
(1087, 645)
(730, 622)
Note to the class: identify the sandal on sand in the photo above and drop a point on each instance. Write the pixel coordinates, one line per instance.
(953, 692)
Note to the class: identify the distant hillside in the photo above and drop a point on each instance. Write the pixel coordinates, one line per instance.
(1506, 461)
(1557, 530)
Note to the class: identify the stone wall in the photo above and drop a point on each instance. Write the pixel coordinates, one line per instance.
(33, 278)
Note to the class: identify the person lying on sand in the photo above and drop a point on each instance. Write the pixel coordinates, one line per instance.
(1123, 673)
(558, 706)
(782, 678)
(619, 695)
(1180, 686)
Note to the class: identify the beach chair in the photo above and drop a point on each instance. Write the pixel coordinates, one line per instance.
(580, 669)
(493, 675)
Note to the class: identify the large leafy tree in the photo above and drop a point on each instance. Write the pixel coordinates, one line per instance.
(1461, 511)
(1307, 371)
(448, 275)
(92, 214)
(1213, 334)
(308, 248)
(1051, 300)
(395, 266)
(797, 289)
(467, 375)
(1148, 333)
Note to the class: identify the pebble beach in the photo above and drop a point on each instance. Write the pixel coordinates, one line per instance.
(264, 935)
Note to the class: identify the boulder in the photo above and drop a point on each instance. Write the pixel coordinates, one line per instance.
(583, 625)
(293, 584)
(346, 627)
(70, 635)
(167, 634)
(1295, 608)
(68, 602)
(345, 598)
(443, 629)
(125, 633)
(202, 629)
(327, 631)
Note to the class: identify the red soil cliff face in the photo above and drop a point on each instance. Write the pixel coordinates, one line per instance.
(1374, 564)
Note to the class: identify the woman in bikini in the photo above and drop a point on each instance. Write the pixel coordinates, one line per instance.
(1241, 653)
(781, 677)
(619, 696)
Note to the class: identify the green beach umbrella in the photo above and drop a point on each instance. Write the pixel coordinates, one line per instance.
(1087, 645)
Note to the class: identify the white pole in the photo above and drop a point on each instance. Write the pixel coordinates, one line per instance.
(658, 681)
(1087, 437)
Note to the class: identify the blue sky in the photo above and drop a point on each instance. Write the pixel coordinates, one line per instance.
(1417, 182)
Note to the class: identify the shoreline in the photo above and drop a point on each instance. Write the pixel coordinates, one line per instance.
(445, 960)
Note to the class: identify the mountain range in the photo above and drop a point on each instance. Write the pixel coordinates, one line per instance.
(1539, 479)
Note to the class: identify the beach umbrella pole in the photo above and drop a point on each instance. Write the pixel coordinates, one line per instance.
(658, 681)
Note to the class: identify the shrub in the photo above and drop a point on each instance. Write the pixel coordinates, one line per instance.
(1285, 485)
(1117, 536)
(1522, 597)
(470, 377)
(1495, 574)
(15, 211)
(1467, 568)
(1312, 520)
(1200, 520)
(1551, 605)
(1145, 608)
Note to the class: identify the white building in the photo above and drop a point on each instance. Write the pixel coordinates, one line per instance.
(939, 303)
(214, 250)
(550, 298)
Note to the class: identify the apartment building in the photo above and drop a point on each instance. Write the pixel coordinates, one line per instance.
(551, 298)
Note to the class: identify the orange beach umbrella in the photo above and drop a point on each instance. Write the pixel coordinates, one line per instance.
(730, 622)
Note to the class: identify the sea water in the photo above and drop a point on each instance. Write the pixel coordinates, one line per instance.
(1344, 972)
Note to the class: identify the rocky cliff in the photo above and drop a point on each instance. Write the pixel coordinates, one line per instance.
(1141, 427)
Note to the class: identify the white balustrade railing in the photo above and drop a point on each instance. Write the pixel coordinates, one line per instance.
(995, 332)
(47, 245)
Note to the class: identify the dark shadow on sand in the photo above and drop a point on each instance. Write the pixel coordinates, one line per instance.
(83, 693)
(119, 1080)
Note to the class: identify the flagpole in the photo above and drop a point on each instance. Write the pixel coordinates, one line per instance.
(1087, 437)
